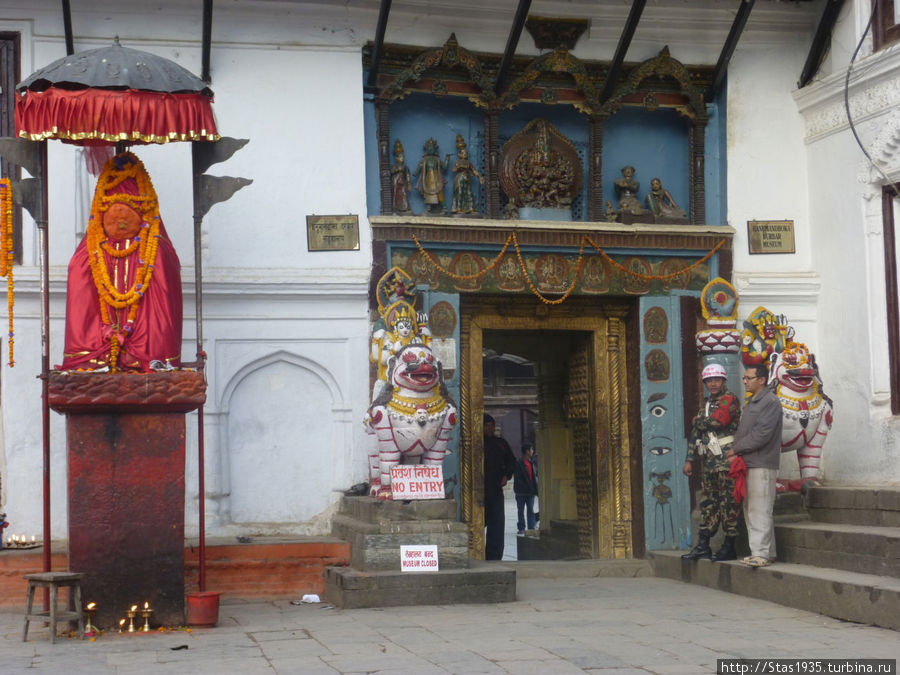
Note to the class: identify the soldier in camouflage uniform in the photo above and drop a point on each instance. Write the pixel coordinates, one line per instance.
(712, 435)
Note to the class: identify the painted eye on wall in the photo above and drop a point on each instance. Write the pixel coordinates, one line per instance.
(658, 410)
(660, 450)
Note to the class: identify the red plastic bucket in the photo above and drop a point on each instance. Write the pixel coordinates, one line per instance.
(203, 608)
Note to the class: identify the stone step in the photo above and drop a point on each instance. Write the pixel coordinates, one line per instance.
(376, 546)
(374, 510)
(855, 505)
(855, 548)
(850, 596)
(349, 588)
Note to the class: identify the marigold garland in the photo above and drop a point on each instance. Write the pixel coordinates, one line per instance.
(534, 289)
(7, 254)
(584, 239)
(146, 243)
(464, 277)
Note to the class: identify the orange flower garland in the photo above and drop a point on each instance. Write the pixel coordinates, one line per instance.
(146, 243)
(7, 253)
(585, 239)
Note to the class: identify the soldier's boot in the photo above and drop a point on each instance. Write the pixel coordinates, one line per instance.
(701, 550)
(727, 551)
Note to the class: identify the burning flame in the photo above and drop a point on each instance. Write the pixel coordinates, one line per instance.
(121, 622)
(146, 605)
(91, 605)
(134, 608)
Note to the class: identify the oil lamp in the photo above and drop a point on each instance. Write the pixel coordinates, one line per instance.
(90, 609)
(146, 613)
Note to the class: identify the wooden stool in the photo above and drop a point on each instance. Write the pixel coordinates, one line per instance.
(53, 580)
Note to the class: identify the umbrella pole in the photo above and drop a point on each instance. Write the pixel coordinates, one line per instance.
(44, 247)
(201, 360)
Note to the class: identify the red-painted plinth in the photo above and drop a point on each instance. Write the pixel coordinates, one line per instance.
(126, 438)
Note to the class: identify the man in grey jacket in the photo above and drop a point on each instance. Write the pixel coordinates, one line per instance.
(758, 442)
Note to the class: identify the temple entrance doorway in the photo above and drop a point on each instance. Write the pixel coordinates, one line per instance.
(554, 376)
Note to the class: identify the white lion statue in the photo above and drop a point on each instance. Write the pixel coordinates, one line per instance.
(411, 419)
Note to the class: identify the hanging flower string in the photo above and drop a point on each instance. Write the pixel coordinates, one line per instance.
(655, 277)
(585, 239)
(464, 277)
(7, 254)
(146, 243)
(534, 289)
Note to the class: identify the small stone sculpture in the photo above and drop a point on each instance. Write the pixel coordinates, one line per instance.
(431, 181)
(661, 204)
(463, 170)
(626, 190)
(400, 181)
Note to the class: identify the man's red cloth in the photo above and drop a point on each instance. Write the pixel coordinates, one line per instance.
(738, 471)
(157, 326)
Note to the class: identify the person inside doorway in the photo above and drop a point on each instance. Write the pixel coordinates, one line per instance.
(526, 489)
(499, 465)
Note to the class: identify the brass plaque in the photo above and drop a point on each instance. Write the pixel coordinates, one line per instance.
(771, 236)
(332, 233)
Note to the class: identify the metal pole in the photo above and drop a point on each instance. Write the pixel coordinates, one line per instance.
(201, 360)
(44, 263)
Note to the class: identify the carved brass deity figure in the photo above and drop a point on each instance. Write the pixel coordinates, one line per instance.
(463, 170)
(626, 190)
(400, 181)
(540, 168)
(661, 204)
(431, 181)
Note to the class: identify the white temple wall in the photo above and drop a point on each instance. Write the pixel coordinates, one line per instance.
(845, 207)
(767, 179)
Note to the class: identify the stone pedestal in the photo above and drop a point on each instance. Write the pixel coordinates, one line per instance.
(126, 443)
(377, 529)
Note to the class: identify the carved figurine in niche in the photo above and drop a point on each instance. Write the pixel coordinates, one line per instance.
(431, 181)
(626, 190)
(400, 181)
(540, 168)
(123, 295)
(463, 170)
(660, 203)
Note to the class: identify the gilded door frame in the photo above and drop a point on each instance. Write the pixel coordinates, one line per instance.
(605, 320)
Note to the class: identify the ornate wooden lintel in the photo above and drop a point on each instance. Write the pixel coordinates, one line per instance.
(546, 233)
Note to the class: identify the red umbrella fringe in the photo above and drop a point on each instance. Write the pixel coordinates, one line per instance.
(97, 116)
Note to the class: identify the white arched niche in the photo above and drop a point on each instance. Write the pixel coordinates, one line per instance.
(285, 430)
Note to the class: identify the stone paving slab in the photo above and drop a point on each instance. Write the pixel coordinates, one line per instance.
(596, 625)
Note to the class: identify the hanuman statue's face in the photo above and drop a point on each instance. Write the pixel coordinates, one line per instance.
(121, 221)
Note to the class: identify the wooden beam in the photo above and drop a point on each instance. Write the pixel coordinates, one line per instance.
(515, 32)
(615, 68)
(737, 27)
(821, 42)
(207, 40)
(383, 12)
(67, 26)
